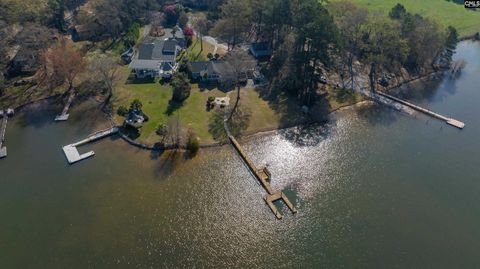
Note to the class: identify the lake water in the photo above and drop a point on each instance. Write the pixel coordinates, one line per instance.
(374, 189)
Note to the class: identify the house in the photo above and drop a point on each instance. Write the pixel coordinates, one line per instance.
(261, 50)
(156, 59)
(212, 71)
(179, 36)
(135, 119)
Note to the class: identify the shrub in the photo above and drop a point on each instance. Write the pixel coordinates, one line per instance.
(122, 111)
(136, 105)
(162, 130)
(211, 99)
(193, 144)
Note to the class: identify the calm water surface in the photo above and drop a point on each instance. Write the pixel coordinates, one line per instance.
(374, 189)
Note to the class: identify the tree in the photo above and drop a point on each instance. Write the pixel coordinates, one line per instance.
(183, 19)
(132, 35)
(201, 25)
(450, 45)
(398, 12)
(189, 33)
(162, 130)
(57, 8)
(239, 62)
(234, 23)
(181, 87)
(63, 63)
(350, 20)
(172, 13)
(383, 46)
(107, 70)
(315, 37)
(193, 144)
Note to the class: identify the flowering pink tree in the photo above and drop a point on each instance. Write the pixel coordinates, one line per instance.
(189, 33)
(171, 13)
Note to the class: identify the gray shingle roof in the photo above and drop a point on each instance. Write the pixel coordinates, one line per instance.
(144, 64)
(151, 54)
(220, 68)
(198, 67)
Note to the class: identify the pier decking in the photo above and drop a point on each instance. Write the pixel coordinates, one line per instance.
(64, 116)
(450, 121)
(3, 130)
(72, 153)
(263, 175)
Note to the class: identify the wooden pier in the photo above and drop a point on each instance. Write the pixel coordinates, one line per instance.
(450, 121)
(72, 153)
(263, 175)
(64, 116)
(3, 131)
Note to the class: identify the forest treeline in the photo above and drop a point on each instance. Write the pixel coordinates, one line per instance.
(307, 36)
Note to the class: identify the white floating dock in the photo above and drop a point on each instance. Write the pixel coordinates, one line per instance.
(74, 156)
(71, 151)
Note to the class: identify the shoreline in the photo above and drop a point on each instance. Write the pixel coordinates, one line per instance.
(253, 133)
(245, 136)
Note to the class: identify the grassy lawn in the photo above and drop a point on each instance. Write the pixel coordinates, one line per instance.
(447, 13)
(194, 52)
(193, 114)
(155, 98)
(265, 116)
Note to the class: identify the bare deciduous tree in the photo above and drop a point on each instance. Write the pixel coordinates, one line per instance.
(107, 70)
(238, 64)
(63, 63)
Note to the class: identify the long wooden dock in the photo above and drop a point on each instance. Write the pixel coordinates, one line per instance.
(263, 175)
(450, 121)
(3, 131)
(72, 153)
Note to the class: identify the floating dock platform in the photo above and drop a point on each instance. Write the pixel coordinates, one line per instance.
(71, 151)
(269, 199)
(450, 121)
(263, 175)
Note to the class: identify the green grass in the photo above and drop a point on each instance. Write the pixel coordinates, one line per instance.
(447, 13)
(155, 99)
(195, 52)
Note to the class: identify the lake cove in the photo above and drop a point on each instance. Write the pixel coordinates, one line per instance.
(373, 188)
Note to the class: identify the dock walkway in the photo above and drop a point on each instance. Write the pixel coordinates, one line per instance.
(72, 153)
(3, 131)
(263, 175)
(64, 116)
(450, 121)
(407, 107)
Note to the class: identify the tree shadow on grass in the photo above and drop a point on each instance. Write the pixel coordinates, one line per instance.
(172, 107)
(132, 79)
